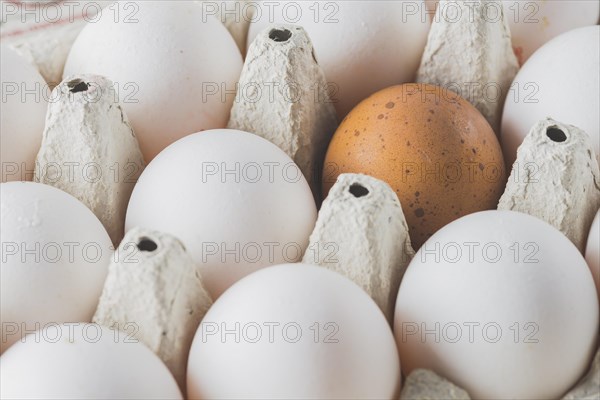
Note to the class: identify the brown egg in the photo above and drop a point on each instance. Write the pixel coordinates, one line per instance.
(431, 146)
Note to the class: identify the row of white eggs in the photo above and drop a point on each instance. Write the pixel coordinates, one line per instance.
(352, 367)
(176, 68)
(471, 293)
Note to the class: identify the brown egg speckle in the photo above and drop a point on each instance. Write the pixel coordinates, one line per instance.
(440, 154)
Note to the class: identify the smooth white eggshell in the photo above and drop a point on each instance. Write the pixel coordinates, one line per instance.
(535, 22)
(362, 46)
(166, 58)
(560, 81)
(232, 223)
(521, 271)
(84, 361)
(55, 256)
(592, 251)
(304, 332)
(24, 103)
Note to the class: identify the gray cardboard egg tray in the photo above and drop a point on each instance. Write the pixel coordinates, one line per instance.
(45, 41)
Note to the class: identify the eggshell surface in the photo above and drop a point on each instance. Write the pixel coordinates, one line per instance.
(560, 81)
(533, 23)
(171, 62)
(362, 46)
(500, 303)
(302, 332)
(592, 251)
(24, 102)
(84, 361)
(55, 256)
(236, 201)
(432, 147)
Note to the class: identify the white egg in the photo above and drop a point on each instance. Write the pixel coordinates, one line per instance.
(560, 81)
(535, 22)
(55, 256)
(500, 303)
(236, 201)
(294, 331)
(24, 102)
(362, 46)
(175, 67)
(592, 251)
(84, 361)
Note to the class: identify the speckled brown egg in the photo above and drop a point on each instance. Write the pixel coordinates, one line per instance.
(431, 146)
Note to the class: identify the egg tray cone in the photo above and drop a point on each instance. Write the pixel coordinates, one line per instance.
(307, 147)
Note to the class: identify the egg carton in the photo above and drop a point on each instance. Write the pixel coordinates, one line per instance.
(286, 50)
